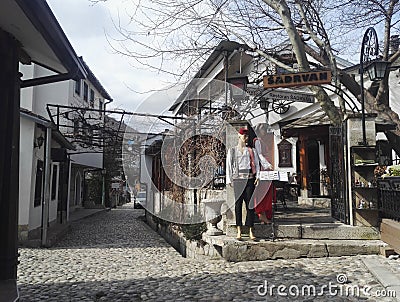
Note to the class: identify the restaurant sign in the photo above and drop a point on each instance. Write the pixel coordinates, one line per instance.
(291, 96)
(298, 79)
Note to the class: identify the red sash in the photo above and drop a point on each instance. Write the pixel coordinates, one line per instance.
(252, 163)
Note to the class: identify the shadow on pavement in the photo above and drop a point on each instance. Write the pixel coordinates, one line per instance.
(256, 284)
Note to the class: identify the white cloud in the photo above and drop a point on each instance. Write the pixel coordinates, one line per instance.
(86, 26)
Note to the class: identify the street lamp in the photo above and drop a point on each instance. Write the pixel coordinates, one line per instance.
(375, 68)
(264, 104)
(39, 142)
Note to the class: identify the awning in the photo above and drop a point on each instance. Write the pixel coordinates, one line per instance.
(42, 39)
(318, 119)
(314, 120)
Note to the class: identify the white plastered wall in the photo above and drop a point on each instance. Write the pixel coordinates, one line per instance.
(26, 170)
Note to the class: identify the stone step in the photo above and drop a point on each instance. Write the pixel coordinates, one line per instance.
(333, 231)
(249, 250)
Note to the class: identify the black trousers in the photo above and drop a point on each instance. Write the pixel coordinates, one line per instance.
(243, 189)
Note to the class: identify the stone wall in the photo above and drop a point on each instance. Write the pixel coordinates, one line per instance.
(23, 231)
(354, 126)
(172, 234)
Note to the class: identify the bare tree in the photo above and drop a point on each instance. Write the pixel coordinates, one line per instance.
(356, 13)
(175, 37)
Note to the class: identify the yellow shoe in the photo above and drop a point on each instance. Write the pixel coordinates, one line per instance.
(251, 235)
(239, 233)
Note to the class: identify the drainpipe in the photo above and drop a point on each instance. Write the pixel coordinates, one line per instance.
(103, 188)
(46, 199)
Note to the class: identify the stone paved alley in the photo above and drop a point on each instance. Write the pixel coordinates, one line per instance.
(115, 256)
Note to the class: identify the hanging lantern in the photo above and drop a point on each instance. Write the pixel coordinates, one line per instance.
(264, 104)
(377, 70)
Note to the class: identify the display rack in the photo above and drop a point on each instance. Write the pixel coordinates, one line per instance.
(363, 185)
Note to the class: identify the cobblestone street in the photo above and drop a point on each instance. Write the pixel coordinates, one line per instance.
(115, 256)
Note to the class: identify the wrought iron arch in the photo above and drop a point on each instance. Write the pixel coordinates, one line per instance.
(349, 101)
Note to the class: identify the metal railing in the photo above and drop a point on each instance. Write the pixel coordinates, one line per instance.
(389, 197)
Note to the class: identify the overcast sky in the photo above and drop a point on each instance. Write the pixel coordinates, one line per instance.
(86, 25)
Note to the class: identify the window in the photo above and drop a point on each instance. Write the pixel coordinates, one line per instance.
(78, 87)
(91, 100)
(54, 182)
(85, 91)
(38, 184)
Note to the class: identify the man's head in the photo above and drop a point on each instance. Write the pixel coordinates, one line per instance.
(243, 131)
(243, 134)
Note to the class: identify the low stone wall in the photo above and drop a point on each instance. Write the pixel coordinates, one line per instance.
(23, 231)
(187, 248)
(247, 250)
(315, 202)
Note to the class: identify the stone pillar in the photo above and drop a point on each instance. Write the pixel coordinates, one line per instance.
(354, 130)
(9, 155)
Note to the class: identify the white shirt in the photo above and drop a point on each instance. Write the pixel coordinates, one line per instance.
(240, 162)
(264, 162)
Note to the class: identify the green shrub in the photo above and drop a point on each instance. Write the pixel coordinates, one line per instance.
(394, 171)
(193, 231)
